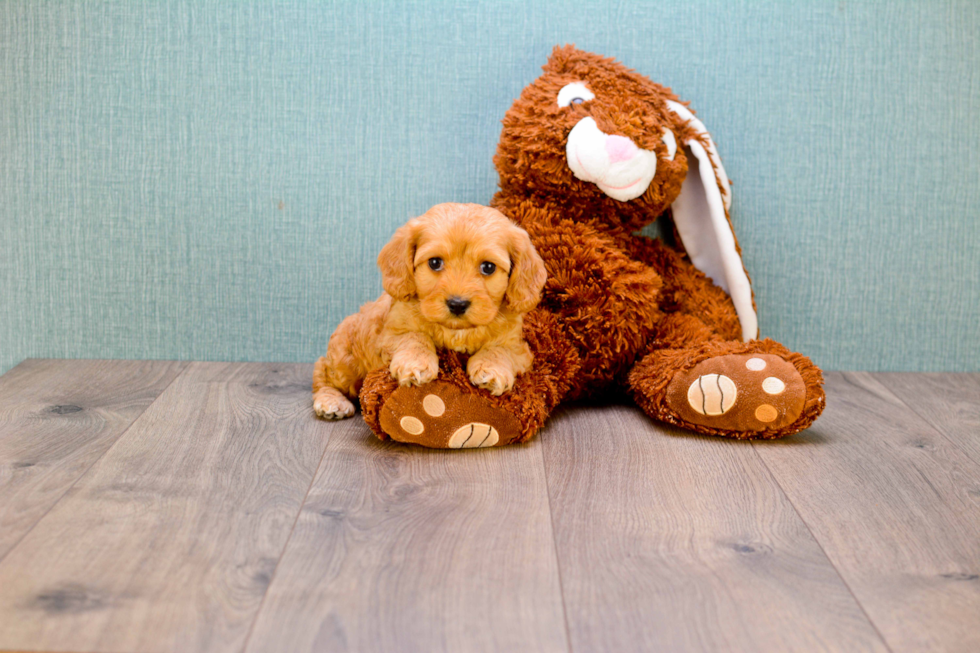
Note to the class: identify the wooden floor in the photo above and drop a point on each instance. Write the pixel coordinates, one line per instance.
(158, 506)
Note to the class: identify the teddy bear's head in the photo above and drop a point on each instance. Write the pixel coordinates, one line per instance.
(592, 129)
(605, 145)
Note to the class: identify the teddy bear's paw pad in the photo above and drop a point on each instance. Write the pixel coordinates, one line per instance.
(712, 394)
(330, 403)
(739, 392)
(441, 416)
(474, 436)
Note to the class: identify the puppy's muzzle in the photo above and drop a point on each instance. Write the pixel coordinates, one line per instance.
(457, 305)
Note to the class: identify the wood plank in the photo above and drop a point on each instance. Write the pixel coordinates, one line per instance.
(897, 509)
(57, 417)
(169, 542)
(400, 548)
(671, 541)
(949, 402)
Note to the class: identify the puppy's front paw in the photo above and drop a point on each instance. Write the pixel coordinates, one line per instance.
(329, 403)
(410, 368)
(496, 378)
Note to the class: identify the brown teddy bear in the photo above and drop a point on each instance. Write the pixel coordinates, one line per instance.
(589, 154)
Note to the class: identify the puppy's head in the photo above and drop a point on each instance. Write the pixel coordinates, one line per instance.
(464, 263)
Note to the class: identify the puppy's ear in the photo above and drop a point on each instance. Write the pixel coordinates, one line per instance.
(527, 273)
(397, 261)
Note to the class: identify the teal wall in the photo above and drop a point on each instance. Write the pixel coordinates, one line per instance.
(213, 179)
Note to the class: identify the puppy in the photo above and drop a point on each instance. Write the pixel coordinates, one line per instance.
(461, 276)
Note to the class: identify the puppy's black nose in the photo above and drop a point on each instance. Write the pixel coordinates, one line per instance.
(457, 305)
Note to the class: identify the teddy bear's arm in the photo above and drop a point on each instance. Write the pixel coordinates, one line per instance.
(607, 301)
(588, 269)
(686, 289)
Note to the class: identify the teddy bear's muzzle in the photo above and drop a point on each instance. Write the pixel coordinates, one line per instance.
(615, 164)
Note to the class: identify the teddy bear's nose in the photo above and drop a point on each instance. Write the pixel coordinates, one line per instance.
(620, 148)
(457, 305)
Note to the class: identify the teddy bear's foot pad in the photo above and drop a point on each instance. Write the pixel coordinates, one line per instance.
(740, 392)
(439, 415)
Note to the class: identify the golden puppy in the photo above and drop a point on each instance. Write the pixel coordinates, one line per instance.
(461, 276)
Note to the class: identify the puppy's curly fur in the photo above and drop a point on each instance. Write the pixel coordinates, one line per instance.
(459, 277)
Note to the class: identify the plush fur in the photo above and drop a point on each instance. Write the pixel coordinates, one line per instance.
(460, 277)
(619, 310)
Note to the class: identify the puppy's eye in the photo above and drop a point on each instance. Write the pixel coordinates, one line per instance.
(435, 263)
(487, 268)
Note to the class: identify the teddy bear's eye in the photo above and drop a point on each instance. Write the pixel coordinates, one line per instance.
(487, 268)
(574, 93)
(435, 264)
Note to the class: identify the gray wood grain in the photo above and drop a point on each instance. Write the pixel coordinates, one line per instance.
(896, 507)
(949, 402)
(400, 548)
(178, 526)
(56, 418)
(669, 541)
(169, 542)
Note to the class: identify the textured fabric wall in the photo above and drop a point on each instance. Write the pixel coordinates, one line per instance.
(213, 180)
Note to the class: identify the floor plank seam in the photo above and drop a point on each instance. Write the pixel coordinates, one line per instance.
(928, 422)
(813, 535)
(554, 543)
(121, 435)
(285, 546)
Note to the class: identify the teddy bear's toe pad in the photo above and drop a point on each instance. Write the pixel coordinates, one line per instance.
(740, 392)
(439, 415)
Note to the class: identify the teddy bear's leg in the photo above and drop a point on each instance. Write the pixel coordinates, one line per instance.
(703, 378)
(756, 389)
(451, 413)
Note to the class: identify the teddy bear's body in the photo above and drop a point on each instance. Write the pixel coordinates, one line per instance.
(614, 291)
(589, 154)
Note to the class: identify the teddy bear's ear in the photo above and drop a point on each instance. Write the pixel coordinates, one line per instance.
(701, 216)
